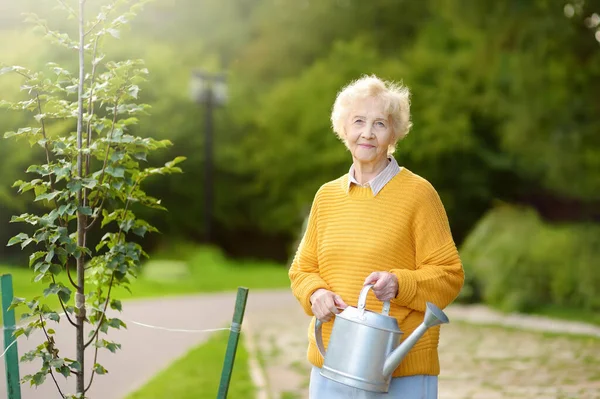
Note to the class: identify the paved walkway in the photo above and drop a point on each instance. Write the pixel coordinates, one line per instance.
(477, 361)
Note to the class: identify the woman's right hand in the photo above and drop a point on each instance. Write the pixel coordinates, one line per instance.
(326, 304)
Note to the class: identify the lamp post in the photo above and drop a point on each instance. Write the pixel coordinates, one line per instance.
(209, 90)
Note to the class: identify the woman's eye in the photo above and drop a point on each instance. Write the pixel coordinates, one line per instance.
(380, 124)
(358, 121)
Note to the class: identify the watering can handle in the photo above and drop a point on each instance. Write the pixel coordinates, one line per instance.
(362, 300)
(319, 336)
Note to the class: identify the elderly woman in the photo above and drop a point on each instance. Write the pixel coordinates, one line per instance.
(378, 224)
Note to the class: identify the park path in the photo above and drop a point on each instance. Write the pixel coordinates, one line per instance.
(479, 360)
(146, 351)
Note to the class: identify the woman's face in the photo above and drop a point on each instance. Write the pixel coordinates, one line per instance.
(368, 131)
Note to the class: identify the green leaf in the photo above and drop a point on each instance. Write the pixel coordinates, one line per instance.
(25, 217)
(129, 121)
(45, 309)
(18, 332)
(74, 186)
(133, 91)
(98, 59)
(55, 269)
(58, 362)
(29, 356)
(64, 294)
(34, 303)
(35, 256)
(111, 346)
(26, 242)
(38, 378)
(116, 323)
(122, 268)
(117, 185)
(115, 171)
(52, 289)
(175, 162)
(7, 69)
(85, 210)
(117, 156)
(99, 369)
(116, 305)
(64, 370)
(141, 156)
(101, 245)
(62, 173)
(16, 302)
(114, 33)
(47, 196)
(68, 209)
(22, 131)
(30, 185)
(106, 219)
(41, 267)
(36, 169)
(89, 183)
(49, 255)
(126, 225)
(17, 239)
(140, 230)
(75, 365)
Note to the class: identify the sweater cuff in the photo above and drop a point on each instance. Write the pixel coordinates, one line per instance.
(306, 294)
(407, 287)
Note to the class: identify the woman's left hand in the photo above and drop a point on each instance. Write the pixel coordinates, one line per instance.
(385, 285)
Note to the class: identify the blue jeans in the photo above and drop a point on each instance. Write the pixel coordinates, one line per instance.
(413, 387)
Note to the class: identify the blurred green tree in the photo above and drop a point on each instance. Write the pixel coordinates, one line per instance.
(504, 104)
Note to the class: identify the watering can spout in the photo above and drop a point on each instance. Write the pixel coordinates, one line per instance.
(433, 316)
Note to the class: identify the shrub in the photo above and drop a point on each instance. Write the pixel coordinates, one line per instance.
(517, 262)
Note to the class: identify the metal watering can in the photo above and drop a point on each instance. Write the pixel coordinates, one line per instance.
(363, 348)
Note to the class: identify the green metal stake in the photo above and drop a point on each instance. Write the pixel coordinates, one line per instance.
(234, 335)
(11, 357)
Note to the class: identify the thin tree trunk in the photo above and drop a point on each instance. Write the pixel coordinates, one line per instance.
(81, 221)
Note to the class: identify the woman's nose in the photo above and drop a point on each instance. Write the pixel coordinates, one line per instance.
(367, 131)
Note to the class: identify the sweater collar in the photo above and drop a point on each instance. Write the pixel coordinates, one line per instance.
(378, 182)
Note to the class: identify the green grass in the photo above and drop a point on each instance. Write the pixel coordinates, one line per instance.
(541, 334)
(564, 313)
(207, 271)
(176, 270)
(198, 373)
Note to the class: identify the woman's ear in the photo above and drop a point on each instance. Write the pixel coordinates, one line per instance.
(395, 136)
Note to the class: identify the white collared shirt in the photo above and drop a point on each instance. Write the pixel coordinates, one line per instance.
(379, 181)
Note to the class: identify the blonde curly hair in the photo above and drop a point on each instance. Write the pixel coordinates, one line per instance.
(396, 104)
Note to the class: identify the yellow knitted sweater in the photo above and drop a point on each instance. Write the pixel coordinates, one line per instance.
(404, 230)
